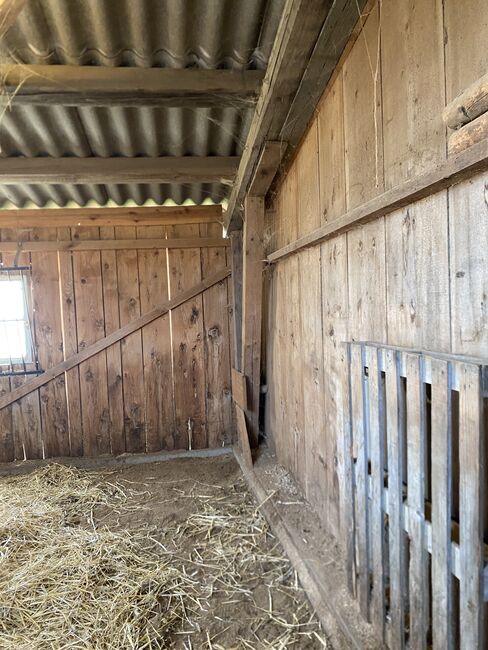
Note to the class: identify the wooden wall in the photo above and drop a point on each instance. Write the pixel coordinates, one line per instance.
(164, 387)
(417, 277)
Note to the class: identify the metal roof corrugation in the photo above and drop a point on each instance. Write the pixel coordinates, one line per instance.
(233, 34)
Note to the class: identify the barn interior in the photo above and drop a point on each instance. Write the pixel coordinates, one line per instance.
(243, 324)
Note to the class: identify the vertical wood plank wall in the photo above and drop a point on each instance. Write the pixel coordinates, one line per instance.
(164, 387)
(417, 277)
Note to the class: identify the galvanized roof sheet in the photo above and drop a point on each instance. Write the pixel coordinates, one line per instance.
(230, 34)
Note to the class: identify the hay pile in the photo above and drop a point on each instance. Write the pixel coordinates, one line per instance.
(217, 579)
(66, 584)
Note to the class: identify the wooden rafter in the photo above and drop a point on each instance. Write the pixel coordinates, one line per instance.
(150, 216)
(76, 171)
(69, 85)
(310, 39)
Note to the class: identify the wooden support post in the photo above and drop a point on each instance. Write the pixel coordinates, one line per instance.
(236, 249)
(252, 290)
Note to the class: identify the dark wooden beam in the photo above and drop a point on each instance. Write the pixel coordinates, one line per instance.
(69, 85)
(76, 171)
(150, 216)
(311, 37)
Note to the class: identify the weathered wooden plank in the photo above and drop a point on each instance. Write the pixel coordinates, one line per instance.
(394, 433)
(217, 346)
(318, 449)
(102, 344)
(69, 85)
(456, 169)
(363, 115)
(465, 27)
(412, 68)
(188, 347)
(114, 244)
(418, 583)
(307, 165)
(46, 303)
(252, 287)
(7, 449)
(170, 169)
(150, 216)
(471, 506)
(239, 389)
(335, 326)
(131, 346)
(468, 242)
(70, 346)
(346, 475)
(90, 326)
(367, 283)
(360, 458)
(417, 295)
(441, 481)
(331, 153)
(113, 353)
(237, 271)
(243, 437)
(375, 424)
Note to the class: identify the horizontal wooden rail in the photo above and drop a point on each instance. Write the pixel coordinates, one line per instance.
(76, 171)
(109, 340)
(69, 85)
(454, 170)
(111, 244)
(150, 216)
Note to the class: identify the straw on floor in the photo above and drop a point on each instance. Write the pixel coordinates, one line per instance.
(67, 581)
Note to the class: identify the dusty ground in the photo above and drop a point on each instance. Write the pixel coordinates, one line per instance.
(181, 503)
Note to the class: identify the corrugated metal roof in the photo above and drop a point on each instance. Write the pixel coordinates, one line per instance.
(230, 34)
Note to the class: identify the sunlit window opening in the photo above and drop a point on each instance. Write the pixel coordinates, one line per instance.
(15, 346)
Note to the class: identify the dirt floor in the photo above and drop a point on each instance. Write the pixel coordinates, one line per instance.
(198, 513)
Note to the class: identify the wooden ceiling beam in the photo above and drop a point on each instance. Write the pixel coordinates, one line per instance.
(309, 42)
(71, 217)
(81, 171)
(70, 85)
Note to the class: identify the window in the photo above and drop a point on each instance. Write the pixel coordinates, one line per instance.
(15, 336)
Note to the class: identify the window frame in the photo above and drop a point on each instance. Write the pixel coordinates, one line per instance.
(22, 275)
